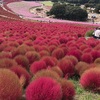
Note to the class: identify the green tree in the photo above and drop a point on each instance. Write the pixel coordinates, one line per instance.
(97, 8)
(69, 12)
(58, 10)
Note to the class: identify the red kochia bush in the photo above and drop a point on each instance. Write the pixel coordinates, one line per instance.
(44, 53)
(21, 72)
(67, 89)
(49, 61)
(87, 57)
(57, 70)
(10, 88)
(97, 61)
(52, 47)
(58, 53)
(32, 56)
(21, 50)
(46, 73)
(44, 88)
(37, 66)
(22, 60)
(95, 54)
(81, 67)
(5, 55)
(73, 59)
(67, 67)
(77, 53)
(7, 63)
(90, 79)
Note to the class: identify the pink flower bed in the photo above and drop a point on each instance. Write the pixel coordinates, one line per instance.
(22, 8)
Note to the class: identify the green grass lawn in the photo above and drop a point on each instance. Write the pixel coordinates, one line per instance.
(47, 3)
(82, 94)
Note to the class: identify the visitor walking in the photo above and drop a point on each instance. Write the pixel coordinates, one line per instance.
(96, 33)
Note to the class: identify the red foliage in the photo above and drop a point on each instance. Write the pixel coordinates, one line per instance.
(47, 73)
(44, 89)
(87, 57)
(95, 54)
(44, 53)
(21, 50)
(21, 72)
(67, 89)
(90, 79)
(73, 59)
(37, 66)
(22, 60)
(57, 70)
(77, 53)
(58, 53)
(5, 55)
(81, 67)
(49, 61)
(67, 67)
(97, 61)
(52, 47)
(32, 56)
(7, 63)
(10, 88)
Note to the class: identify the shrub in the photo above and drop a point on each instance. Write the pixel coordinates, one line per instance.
(63, 40)
(14, 43)
(83, 47)
(44, 48)
(97, 47)
(22, 60)
(87, 57)
(58, 53)
(73, 59)
(52, 47)
(10, 49)
(87, 50)
(68, 89)
(67, 67)
(57, 70)
(3, 46)
(32, 56)
(10, 88)
(46, 73)
(77, 53)
(44, 88)
(21, 50)
(65, 49)
(95, 54)
(7, 63)
(89, 33)
(4, 54)
(21, 72)
(97, 8)
(44, 53)
(49, 61)
(37, 66)
(90, 79)
(81, 67)
(97, 61)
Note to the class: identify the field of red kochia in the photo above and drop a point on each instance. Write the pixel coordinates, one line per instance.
(41, 57)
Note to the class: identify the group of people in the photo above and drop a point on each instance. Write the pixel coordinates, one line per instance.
(96, 33)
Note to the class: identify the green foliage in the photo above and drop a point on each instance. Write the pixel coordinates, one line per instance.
(90, 5)
(83, 1)
(89, 33)
(70, 12)
(97, 8)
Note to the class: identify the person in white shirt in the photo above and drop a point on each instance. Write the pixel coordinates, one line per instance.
(96, 33)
